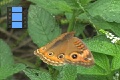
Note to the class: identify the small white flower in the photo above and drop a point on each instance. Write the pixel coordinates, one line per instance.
(117, 74)
(109, 35)
(113, 41)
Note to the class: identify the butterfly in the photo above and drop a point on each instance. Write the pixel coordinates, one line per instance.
(66, 49)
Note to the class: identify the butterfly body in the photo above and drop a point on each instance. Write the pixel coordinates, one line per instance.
(65, 49)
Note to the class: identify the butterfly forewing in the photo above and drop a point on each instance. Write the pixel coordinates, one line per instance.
(53, 53)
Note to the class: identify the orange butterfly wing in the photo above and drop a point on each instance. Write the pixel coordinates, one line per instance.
(65, 49)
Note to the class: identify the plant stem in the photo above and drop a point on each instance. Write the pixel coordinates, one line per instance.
(89, 18)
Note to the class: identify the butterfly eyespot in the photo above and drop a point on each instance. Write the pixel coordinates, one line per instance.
(50, 53)
(61, 56)
(74, 56)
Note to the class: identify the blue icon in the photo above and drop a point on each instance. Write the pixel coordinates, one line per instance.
(17, 17)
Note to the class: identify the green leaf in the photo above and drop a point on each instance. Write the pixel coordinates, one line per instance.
(102, 61)
(84, 2)
(10, 70)
(42, 26)
(79, 28)
(72, 3)
(6, 58)
(90, 77)
(107, 9)
(116, 28)
(94, 70)
(68, 72)
(101, 44)
(83, 17)
(53, 6)
(116, 59)
(7, 66)
(100, 23)
(37, 74)
(116, 62)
